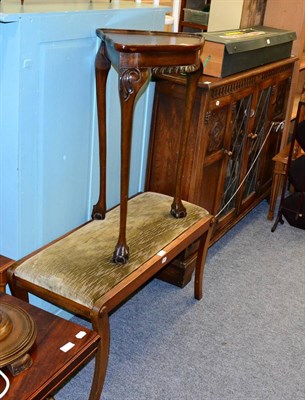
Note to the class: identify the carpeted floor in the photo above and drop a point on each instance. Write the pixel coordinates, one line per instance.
(245, 340)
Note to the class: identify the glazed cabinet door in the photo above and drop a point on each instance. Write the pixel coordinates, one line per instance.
(240, 115)
(250, 150)
(255, 141)
(269, 105)
(277, 110)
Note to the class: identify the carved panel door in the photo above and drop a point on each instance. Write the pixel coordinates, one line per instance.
(213, 158)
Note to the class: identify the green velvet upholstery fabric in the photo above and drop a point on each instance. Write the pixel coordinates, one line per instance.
(79, 266)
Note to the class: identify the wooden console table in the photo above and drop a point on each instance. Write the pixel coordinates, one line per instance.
(51, 366)
(137, 56)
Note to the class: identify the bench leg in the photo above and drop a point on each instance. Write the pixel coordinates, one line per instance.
(16, 291)
(101, 325)
(5, 263)
(200, 261)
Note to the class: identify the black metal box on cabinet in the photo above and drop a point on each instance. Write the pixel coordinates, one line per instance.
(228, 52)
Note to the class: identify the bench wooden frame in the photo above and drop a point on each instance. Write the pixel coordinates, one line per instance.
(99, 313)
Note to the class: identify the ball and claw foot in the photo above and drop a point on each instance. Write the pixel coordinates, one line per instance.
(120, 254)
(178, 210)
(98, 216)
(98, 212)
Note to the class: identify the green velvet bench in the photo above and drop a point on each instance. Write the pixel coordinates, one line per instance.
(77, 271)
(84, 271)
(83, 257)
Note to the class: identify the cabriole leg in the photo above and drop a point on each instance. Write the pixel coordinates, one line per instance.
(177, 208)
(131, 83)
(102, 67)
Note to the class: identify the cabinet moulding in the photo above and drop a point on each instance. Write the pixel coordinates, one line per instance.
(230, 88)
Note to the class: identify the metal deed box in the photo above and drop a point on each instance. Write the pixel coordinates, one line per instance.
(228, 52)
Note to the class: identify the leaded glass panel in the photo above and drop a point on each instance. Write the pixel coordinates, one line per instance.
(240, 117)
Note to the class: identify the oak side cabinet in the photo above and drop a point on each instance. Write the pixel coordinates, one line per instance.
(230, 124)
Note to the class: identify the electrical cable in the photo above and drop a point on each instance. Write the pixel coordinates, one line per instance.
(7, 384)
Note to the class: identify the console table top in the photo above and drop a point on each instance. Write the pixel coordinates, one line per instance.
(130, 41)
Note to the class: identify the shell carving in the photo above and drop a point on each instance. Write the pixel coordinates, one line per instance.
(129, 77)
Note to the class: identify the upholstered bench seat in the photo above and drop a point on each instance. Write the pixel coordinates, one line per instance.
(72, 266)
(77, 271)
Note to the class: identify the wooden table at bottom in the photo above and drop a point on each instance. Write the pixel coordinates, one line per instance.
(51, 366)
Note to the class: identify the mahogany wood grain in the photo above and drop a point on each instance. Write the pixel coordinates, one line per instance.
(5, 263)
(51, 366)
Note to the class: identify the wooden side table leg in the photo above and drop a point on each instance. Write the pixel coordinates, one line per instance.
(101, 326)
(131, 82)
(276, 182)
(16, 291)
(177, 208)
(200, 260)
(5, 263)
(102, 67)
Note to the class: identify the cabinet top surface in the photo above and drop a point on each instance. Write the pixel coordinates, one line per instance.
(30, 7)
(209, 82)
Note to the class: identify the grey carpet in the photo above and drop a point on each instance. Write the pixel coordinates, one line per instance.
(245, 340)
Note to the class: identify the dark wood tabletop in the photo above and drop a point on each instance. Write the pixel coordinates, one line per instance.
(147, 41)
(51, 365)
